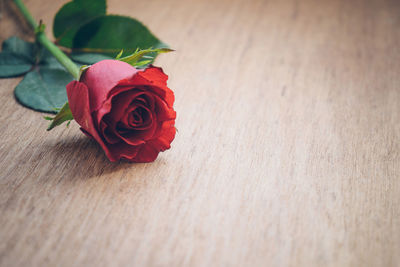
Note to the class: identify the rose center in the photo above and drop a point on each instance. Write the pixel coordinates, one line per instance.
(136, 117)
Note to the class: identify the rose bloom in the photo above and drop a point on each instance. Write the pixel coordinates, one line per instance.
(129, 112)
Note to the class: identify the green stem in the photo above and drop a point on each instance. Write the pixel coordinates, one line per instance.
(42, 38)
(58, 54)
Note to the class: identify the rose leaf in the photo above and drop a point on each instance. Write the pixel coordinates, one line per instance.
(109, 34)
(72, 16)
(16, 58)
(12, 65)
(43, 89)
(88, 58)
(20, 48)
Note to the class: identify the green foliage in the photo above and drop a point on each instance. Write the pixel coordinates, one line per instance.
(109, 34)
(16, 57)
(12, 65)
(119, 54)
(72, 16)
(88, 58)
(83, 26)
(43, 89)
(63, 115)
(141, 58)
(20, 48)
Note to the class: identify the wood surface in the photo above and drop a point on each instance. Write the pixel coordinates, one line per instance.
(288, 150)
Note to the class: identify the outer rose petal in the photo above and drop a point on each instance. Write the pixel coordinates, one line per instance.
(153, 78)
(166, 134)
(78, 98)
(102, 77)
(159, 79)
(123, 150)
(163, 111)
(156, 75)
(149, 151)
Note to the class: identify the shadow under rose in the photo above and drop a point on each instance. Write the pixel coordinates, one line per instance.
(79, 158)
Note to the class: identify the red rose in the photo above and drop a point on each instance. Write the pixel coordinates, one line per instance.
(127, 111)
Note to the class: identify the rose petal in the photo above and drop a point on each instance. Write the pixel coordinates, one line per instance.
(143, 122)
(135, 137)
(156, 75)
(149, 151)
(166, 132)
(119, 105)
(124, 150)
(102, 77)
(108, 134)
(78, 98)
(158, 80)
(144, 80)
(146, 153)
(163, 111)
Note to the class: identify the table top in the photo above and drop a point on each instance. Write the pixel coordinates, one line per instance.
(287, 151)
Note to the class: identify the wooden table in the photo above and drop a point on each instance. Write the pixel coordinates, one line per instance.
(288, 150)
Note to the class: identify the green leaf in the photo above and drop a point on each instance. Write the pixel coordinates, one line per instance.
(51, 62)
(109, 34)
(20, 48)
(119, 54)
(43, 89)
(88, 58)
(141, 58)
(142, 64)
(72, 16)
(12, 65)
(16, 58)
(63, 115)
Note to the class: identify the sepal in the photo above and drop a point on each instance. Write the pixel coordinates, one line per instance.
(63, 115)
(144, 57)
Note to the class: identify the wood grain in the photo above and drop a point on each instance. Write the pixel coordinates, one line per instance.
(288, 150)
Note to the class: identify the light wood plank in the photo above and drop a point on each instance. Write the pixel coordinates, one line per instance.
(287, 152)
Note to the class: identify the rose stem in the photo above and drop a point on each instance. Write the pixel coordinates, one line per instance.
(42, 38)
